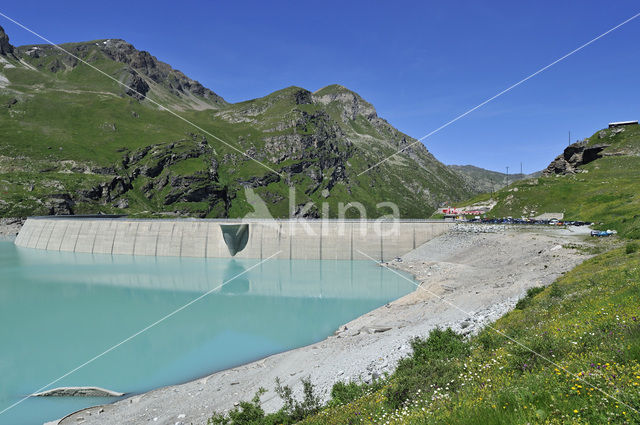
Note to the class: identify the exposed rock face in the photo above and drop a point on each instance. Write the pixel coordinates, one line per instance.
(138, 87)
(159, 72)
(106, 192)
(196, 188)
(303, 97)
(153, 162)
(60, 204)
(574, 155)
(5, 47)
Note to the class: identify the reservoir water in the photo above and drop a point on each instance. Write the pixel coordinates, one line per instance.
(58, 310)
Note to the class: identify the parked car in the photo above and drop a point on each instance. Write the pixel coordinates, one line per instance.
(603, 233)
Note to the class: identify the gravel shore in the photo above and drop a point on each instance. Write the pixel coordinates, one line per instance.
(468, 277)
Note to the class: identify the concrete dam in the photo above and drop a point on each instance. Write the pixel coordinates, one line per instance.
(381, 240)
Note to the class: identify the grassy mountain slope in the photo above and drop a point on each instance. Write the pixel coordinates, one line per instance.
(74, 141)
(607, 190)
(487, 181)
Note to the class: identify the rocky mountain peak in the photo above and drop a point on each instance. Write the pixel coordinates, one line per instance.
(350, 101)
(5, 47)
(159, 72)
(142, 72)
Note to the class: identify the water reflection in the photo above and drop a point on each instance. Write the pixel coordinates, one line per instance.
(234, 279)
(296, 278)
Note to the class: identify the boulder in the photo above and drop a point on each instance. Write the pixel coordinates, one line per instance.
(574, 156)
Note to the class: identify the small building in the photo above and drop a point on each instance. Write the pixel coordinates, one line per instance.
(622, 123)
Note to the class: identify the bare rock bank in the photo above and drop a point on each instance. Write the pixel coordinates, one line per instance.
(9, 227)
(467, 278)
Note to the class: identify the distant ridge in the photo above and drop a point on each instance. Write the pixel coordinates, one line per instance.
(486, 181)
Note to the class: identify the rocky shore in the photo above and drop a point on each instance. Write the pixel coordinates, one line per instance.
(467, 278)
(9, 228)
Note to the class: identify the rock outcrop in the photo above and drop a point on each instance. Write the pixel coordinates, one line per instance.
(5, 47)
(574, 156)
(137, 86)
(107, 192)
(59, 204)
(78, 392)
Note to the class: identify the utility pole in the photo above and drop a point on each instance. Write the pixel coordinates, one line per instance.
(507, 175)
(569, 137)
(520, 167)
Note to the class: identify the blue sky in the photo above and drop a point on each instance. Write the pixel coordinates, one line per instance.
(420, 63)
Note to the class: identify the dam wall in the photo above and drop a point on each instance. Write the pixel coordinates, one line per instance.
(203, 238)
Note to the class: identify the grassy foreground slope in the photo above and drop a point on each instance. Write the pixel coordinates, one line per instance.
(606, 192)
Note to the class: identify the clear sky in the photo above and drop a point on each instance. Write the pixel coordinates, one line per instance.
(420, 63)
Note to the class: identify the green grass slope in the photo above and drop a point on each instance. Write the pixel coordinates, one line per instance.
(607, 192)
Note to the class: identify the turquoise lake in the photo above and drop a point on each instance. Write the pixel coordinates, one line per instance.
(58, 310)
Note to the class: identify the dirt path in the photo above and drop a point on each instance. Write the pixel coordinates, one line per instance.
(481, 273)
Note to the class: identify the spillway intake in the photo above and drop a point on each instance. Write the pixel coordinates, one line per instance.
(235, 236)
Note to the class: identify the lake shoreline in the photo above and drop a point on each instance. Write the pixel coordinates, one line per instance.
(481, 270)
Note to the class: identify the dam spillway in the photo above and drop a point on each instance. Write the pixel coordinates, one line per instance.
(204, 238)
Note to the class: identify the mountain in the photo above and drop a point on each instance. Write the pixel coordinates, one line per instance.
(597, 179)
(75, 141)
(481, 180)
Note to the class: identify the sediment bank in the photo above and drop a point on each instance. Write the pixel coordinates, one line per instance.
(482, 273)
